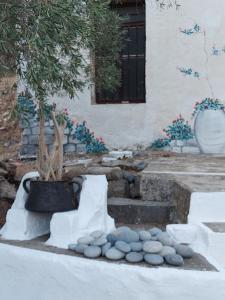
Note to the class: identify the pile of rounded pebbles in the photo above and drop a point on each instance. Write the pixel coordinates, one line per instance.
(153, 246)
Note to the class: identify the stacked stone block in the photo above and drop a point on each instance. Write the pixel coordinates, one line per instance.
(30, 138)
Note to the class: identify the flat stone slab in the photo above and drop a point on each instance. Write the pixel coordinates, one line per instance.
(188, 164)
(216, 227)
(198, 173)
(197, 263)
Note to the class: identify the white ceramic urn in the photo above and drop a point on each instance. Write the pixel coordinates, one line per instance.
(209, 131)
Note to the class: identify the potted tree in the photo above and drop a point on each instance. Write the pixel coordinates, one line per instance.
(46, 43)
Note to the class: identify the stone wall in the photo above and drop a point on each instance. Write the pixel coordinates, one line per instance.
(9, 130)
(30, 138)
(7, 100)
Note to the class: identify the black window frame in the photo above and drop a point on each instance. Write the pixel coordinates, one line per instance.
(123, 5)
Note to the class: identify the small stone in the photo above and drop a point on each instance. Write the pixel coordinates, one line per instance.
(86, 240)
(144, 235)
(184, 251)
(167, 250)
(140, 166)
(122, 228)
(72, 246)
(100, 241)
(111, 239)
(174, 260)
(123, 246)
(108, 159)
(134, 257)
(162, 235)
(166, 241)
(136, 246)
(152, 247)
(126, 234)
(80, 248)
(105, 248)
(97, 234)
(110, 173)
(154, 259)
(154, 238)
(155, 231)
(114, 254)
(92, 252)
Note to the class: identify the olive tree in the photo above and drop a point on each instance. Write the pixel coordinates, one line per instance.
(44, 42)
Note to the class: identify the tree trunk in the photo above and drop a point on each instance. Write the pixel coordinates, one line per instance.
(50, 165)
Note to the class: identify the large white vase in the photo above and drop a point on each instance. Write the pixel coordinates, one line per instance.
(210, 131)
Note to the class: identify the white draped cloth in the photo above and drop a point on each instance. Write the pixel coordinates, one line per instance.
(66, 227)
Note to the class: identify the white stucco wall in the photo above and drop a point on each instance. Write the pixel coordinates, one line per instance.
(168, 91)
(29, 274)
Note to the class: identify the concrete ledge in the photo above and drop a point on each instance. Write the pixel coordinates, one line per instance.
(131, 211)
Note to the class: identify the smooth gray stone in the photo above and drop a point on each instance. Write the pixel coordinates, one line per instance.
(162, 235)
(127, 235)
(92, 251)
(155, 231)
(154, 259)
(154, 238)
(167, 250)
(152, 247)
(72, 246)
(80, 248)
(86, 240)
(184, 251)
(134, 257)
(97, 234)
(144, 235)
(140, 166)
(122, 228)
(105, 248)
(123, 246)
(100, 241)
(166, 241)
(136, 246)
(114, 254)
(174, 260)
(111, 239)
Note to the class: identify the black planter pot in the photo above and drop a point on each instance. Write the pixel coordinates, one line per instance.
(51, 196)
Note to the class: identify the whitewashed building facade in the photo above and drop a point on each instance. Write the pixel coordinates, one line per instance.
(184, 62)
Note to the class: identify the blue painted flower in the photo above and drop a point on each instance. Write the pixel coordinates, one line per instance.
(197, 28)
(196, 74)
(179, 130)
(215, 51)
(190, 31)
(208, 103)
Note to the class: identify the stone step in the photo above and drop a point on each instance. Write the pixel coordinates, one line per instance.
(130, 211)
